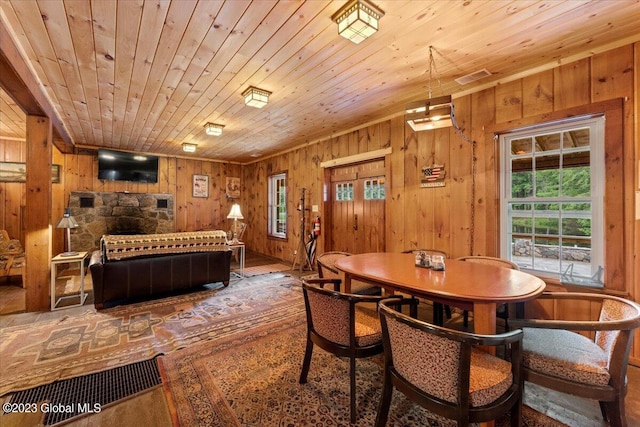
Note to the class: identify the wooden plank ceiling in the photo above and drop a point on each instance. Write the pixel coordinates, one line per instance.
(147, 75)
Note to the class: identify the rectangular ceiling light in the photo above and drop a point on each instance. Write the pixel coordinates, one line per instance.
(255, 97)
(357, 20)
(213, 129)
(433, 113)
(189, 148)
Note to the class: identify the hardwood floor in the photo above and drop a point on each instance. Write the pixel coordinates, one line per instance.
(150, 408)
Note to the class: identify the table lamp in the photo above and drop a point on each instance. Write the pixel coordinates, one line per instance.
(235, 214)
(68, 222)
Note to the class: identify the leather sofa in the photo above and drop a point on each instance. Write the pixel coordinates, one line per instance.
(130, 268)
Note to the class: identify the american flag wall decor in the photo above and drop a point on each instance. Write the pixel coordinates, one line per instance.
(432, 176)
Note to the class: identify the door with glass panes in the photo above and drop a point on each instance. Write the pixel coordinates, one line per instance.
(357, 208)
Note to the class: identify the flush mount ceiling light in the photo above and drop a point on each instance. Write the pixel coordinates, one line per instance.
(213, 129)
(189, 148)
(255, 97)
(432, 113)
(357, 20)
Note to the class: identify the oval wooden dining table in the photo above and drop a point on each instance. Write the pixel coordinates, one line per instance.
(471, 286)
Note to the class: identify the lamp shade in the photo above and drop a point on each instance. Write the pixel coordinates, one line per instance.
(433, 113)
(255, 97)
(235, 213)
(67, 221)
(357, 20)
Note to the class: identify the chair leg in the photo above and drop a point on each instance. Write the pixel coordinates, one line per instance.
(385, 401)
(307, 361)
(447, 311)
(352, 387)
(437, 314)
(516, 412)
(615, 412)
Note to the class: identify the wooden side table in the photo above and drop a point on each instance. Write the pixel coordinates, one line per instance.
(55, 262)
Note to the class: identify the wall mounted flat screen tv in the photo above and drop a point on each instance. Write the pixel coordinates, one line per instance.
(116, 165)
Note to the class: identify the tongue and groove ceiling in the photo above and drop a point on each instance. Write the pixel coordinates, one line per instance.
(146, 76)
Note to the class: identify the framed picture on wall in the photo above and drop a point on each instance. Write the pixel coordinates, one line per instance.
(201, 186)
(233, 187)
(17, 172)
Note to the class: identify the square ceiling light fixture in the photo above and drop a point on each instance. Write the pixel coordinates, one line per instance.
(189, 148)
(357, 20)
(432, 113)
(213, 129)
(255, 97)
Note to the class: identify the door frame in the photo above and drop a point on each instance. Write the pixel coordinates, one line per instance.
(327, 201)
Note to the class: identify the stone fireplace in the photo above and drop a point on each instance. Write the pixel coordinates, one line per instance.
(99, 213)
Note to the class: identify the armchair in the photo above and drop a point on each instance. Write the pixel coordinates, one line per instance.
(336, 324)
(441, 370)
(11, 257)
(557, 357)
(326, 269)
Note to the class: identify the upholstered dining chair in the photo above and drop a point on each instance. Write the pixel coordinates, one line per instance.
(442, 370)
(326, 269)
(439, 310)
(337, 324)
(556, 356)
(503, 310)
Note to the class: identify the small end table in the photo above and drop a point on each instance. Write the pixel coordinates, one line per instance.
(55, 262)
(241, 248)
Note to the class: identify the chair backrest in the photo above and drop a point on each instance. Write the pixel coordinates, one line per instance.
(327, 313)
(621, 311)
(326, 263)
(427, 251)
(498, 262)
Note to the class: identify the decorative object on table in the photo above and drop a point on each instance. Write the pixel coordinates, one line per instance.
(432, 176)
(235, 214)
(233, 187)
(437, 262)
(201, 186)
(68, 222)
(423, 259)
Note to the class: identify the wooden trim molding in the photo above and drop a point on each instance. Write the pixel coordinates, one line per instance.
(357, 158)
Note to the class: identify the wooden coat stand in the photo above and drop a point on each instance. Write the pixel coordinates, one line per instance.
(302, 247)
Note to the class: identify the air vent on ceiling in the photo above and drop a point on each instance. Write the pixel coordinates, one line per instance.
(477, 75)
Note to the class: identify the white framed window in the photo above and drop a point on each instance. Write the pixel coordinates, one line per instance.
(278, 205)
(552, 199)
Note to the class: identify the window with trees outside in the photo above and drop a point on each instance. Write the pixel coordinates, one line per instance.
(552, 200)
(278, 205)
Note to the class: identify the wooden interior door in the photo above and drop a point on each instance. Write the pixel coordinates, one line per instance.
(357, 200)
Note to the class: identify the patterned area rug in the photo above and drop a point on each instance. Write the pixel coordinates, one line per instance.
(251, 379)
(94, 341)
(266, 269)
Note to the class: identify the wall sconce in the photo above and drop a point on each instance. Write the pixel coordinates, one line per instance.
(189, 148)
(255, 97)
(213, 129)
(433, 113)
(357, 20)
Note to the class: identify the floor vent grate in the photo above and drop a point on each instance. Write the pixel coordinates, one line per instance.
(85, 394)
